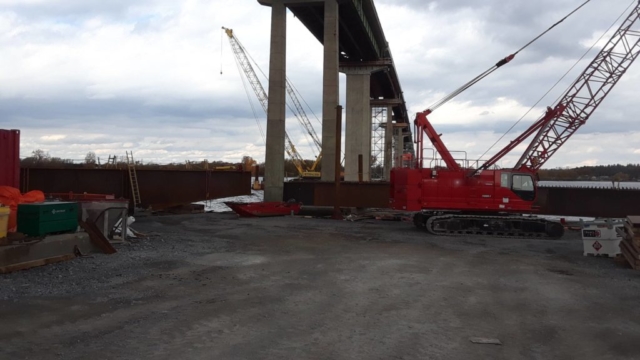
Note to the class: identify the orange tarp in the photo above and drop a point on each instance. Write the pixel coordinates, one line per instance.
(11, 197)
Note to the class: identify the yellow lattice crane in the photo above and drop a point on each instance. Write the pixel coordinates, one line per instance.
(244, 64)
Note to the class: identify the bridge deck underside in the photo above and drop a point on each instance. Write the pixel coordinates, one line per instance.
(358, 45)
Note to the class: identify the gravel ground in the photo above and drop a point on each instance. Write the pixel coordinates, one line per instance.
(214, 286)
(160, 251)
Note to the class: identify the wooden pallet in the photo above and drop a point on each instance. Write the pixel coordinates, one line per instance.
(632, 249)
(632, 260)
(635, 220)
(632, 226)
(631, 231)
(630, 243)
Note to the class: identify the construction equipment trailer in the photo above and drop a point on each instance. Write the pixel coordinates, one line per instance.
(459, 197)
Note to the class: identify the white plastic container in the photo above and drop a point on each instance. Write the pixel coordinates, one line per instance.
(600, 237)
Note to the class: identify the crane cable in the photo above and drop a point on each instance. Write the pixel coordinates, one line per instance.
(221, 49)
(495, 67)
(293, 111)
(305, 102)
(558, 82)
(253, 109)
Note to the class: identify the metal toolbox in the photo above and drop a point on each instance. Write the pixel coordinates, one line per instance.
(47, 218)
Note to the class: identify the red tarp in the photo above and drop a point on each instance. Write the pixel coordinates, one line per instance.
(10, 158)
(10, 196)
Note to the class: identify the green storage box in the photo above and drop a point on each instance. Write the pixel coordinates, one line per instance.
(47, 218)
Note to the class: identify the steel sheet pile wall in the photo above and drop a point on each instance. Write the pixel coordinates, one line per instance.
(158, 188)
(588, 202)
(352, 194)
(10, 158)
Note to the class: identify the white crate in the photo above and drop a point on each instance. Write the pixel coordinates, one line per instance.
(601, 238)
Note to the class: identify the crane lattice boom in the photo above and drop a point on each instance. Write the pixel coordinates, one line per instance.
(303, 118)
(263, 99)
(586, 93)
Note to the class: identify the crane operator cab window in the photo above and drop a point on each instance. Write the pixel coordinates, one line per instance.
(504, 180)
(523, 186)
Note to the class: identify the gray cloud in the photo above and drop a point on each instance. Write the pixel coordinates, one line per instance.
(144, 74)
(74, 10)
(40, 111)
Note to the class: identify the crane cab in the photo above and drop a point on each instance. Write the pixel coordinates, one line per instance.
(521, 184)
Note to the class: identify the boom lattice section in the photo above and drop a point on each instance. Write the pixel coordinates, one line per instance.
(261, 94)
(587, 92)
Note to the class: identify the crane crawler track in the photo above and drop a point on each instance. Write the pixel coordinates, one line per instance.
(496, 226)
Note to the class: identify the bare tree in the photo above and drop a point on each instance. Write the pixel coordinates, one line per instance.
(90, 158)
(40, 155)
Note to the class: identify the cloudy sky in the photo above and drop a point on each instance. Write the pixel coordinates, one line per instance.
(145, 75)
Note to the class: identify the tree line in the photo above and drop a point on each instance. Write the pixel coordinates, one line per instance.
(40, 158)
(617, 172)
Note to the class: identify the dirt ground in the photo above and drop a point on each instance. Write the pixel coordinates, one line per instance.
(212, 286)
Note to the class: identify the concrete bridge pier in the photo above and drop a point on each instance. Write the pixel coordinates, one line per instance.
(274, 164)
(358, 121)
(274, 156)
(358, 125)
(330, 88)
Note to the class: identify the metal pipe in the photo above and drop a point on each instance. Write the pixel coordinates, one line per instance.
(433, 156)
(337, 214)
(360, 167)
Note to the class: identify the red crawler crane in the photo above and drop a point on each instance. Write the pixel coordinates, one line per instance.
(460, 199)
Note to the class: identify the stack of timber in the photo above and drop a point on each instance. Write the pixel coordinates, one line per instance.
(630, 243)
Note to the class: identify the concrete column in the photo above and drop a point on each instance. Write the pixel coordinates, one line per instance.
(330, 89)
(399, 148)
(388, 145)
(274, 158)
(358, 126)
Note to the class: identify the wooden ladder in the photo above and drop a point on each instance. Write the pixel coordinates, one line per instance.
(133, 178)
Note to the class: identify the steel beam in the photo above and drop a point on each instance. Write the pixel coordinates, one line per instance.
(386, 102)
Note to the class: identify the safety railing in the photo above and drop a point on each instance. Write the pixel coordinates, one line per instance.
(434, 162)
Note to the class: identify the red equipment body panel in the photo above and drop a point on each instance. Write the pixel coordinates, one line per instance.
(443, 189)
(10, 158)
(264, 209)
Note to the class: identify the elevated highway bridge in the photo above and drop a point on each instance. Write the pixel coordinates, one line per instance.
(354, 44)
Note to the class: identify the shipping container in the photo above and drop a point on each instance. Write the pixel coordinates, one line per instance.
(10, 158)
